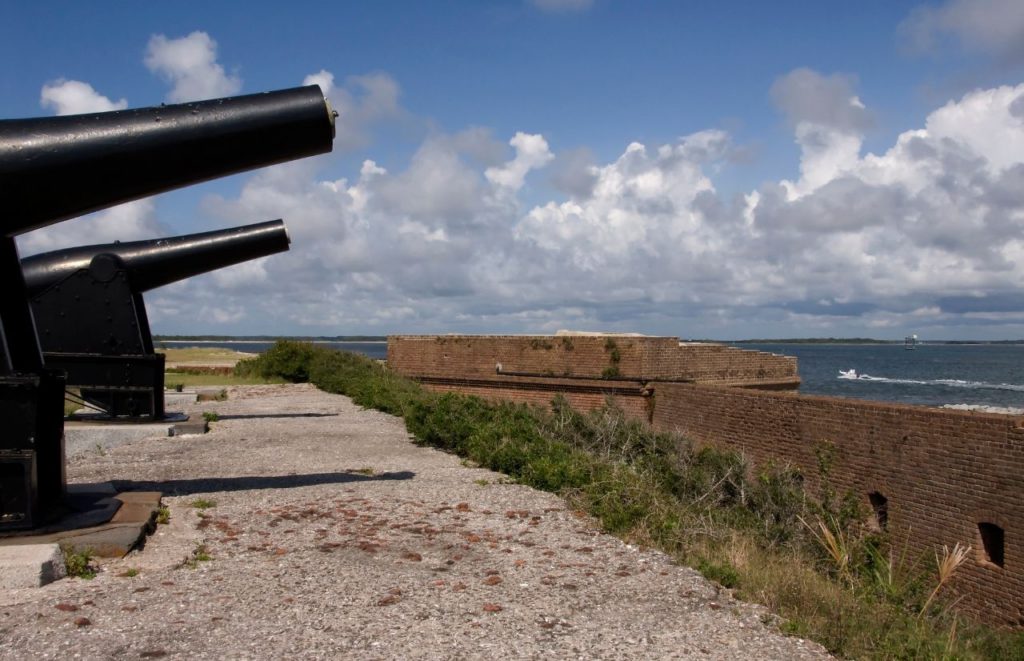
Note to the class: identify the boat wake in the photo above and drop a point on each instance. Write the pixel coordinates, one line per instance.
(951, 383)
(984, 408)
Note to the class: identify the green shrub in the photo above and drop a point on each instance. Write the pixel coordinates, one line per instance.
(287, 359)
(721, 572)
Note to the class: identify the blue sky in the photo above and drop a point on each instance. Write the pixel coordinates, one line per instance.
(797, 169)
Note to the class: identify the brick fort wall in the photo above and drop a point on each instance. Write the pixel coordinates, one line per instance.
(940, 472)
(936, 477)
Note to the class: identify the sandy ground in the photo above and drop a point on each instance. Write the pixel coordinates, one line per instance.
(332, 534)
(203, 356)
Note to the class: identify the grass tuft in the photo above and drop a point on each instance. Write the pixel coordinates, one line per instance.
(946, 565)
(203, 503)
(199, 554)
(78, 563)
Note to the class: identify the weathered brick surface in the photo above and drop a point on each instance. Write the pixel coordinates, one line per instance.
(942, 471)
(642, 358)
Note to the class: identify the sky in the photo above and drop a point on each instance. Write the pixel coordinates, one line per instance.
(717, 170)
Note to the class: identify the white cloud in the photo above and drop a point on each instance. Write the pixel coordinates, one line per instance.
(985, 123)
(361, 102)
(991, 26)
(926, 235)
(126, 222)
(806, 96)
(73, 97)
(323, 78)
(829, 121)
(574, 172)
(190, 65)
(531, 152)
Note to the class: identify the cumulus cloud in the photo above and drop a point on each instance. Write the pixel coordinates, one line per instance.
(806, 96)
(829, 121)
(126, 222)
(384, 249)
(926, 234)
(574, 173)
(323, 78)
(531, 152)
(562, 6)
(361, 102)
(73, 97)
(990, 26)
(190, 65)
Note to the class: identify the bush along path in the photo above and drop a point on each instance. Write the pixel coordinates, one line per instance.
(807, 557)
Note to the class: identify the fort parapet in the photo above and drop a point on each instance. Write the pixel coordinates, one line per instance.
(932, 477)
(585, 367)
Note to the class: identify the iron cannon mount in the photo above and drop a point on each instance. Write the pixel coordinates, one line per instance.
(56, 168)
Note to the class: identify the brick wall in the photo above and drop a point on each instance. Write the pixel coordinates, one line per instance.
(705, 362)
(641, 358)
(942, 471)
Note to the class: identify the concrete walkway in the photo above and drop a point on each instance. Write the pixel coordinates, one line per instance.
(302, 526)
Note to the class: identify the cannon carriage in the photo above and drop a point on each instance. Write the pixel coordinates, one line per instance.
(110, 356)
(56, 168)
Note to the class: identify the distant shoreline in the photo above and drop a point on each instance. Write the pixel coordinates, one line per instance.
(377, 339)
(271, 341)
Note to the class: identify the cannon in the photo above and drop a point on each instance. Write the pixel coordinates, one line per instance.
(91, 318)
(56, 168)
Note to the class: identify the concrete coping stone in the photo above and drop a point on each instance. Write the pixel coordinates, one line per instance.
(30, 565)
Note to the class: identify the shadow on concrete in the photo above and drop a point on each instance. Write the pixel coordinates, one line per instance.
(255, 416)
(187, 487)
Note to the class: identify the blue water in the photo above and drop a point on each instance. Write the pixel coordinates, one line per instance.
(932, 374)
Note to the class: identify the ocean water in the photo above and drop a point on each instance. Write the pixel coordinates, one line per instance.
(976, 375)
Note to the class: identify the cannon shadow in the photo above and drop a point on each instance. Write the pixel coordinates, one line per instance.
(252, 416)
(186, 487)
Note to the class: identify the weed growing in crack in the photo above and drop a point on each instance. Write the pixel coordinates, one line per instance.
(78, 562)
(199, 554)
(203, 503)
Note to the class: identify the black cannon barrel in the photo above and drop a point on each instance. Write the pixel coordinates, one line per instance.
(55, 168)
(158, 262)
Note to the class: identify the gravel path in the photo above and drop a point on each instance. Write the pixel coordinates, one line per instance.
(333, 535)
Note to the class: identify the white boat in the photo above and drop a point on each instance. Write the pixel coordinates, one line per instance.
(847, 374)
(910, 342)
